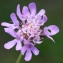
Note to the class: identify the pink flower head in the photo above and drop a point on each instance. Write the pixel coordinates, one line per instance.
(30, 32)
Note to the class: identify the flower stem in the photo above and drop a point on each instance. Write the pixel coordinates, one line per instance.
(19, 57)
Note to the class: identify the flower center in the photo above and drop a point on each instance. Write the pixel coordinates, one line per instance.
(30, 30)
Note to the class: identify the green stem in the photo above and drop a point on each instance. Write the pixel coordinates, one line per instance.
(19, 57)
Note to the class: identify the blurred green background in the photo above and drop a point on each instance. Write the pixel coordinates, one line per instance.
(49, 52)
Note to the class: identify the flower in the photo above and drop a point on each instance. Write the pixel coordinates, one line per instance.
(29, 48)
(14, 20)
(50, 31)
(29, 31)
(17, 41)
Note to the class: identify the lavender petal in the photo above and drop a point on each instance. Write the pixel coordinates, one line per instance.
(18, 12)
(44, 19)
(18, 45)
(14, 19)
(6, 24)
(10, 44)
(10, 31)
(32, 7)
(51, 38)
(23, 50)
(35, 50)
(28, 55)
(41, 12)
(25, 11)
(54, 29)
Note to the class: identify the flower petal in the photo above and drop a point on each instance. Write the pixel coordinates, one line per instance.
(54, 29)
(44, 19)
(37, 38)
(18, 45)
(51, 38)
(14, 19)
(23, 50)
(10, 44)
(6, 24)
(18, 11)
(32, 7)
(25, 11)
(28, 55)
(38, 42)
(26, 41)
(35, 50)
(10, 31)
(41, 12)
(51, 30)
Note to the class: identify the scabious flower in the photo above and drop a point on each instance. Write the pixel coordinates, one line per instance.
(29, 31)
